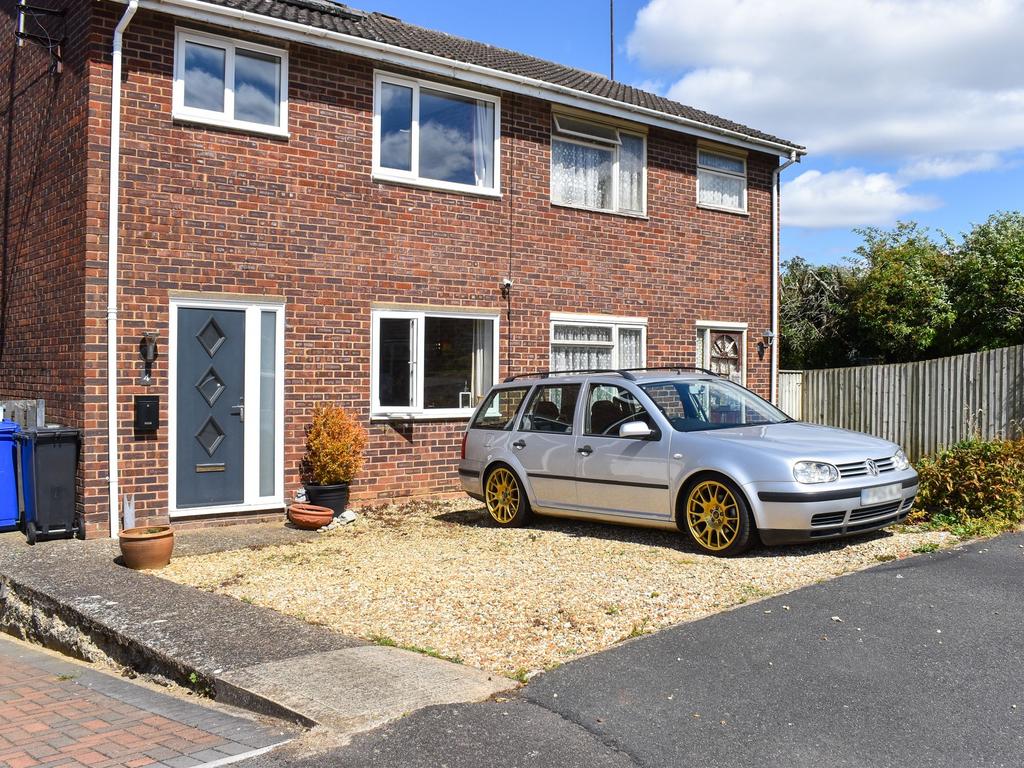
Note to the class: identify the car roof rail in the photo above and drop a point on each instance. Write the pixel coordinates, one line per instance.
(626, 373)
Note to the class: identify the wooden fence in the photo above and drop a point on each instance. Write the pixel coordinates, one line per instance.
(922, 406)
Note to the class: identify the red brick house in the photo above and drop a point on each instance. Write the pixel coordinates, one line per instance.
(312, 203)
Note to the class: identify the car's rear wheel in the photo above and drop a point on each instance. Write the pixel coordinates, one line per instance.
(718, 518)
(505, 498)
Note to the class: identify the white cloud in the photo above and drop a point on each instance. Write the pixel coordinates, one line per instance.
(899, 77)
(950, 166)
(848, 198)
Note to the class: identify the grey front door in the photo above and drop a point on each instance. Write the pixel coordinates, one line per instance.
(211, 380)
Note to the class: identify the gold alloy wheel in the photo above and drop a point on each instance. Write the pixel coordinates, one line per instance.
(713, 515)
(502, 495)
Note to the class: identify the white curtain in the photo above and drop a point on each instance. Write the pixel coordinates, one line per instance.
(581, 175)
(565, 357)
(600, 333)
(483, 358)
(631, 173)
(722, 191)
(483, 144)
(630, 348)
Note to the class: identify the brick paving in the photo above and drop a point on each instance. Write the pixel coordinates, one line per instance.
(57, 713)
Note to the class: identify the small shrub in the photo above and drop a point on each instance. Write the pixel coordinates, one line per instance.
(335, 443)
(974, 488)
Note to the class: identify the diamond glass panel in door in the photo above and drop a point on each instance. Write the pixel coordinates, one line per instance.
(395, 363)
(210, 380)
(456, 137)
(257, 88)
(725, 356)
(581, 175)
(458, 366)
(204, 77)
(395, 127)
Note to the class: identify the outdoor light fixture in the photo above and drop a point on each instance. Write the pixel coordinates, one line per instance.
(769, 338)
(148, 353)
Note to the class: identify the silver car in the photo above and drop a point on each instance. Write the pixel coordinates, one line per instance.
(677, 449)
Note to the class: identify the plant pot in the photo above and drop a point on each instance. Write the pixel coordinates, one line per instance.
(148, 547)
(309, 516)
(334, 497)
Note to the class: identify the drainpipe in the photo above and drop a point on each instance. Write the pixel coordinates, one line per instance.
(776, 174)
(113, 202)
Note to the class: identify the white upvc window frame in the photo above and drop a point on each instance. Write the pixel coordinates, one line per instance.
(732, 154)
(574, 137)
(706, 327)
(226, 119)
(253, 308)
(412, 177)
(418, 317)
(617, 324)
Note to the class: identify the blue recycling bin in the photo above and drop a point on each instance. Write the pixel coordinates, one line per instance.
(9, 518)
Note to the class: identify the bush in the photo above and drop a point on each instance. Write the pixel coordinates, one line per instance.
(974, 488)
(335, 442)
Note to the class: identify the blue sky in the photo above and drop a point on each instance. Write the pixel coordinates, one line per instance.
(910, 109)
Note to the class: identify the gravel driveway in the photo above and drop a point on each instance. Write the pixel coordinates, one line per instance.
(435, 576)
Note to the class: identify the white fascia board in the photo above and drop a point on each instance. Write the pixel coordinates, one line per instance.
(247, 21)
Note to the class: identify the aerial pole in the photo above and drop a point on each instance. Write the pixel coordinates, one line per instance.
(611, 35)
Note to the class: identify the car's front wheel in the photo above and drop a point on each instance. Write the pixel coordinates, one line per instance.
(505, 498)
(718, 518)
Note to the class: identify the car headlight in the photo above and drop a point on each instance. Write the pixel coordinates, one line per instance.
(814, 472)
(899, 460)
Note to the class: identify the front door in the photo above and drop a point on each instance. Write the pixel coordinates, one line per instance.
(210, 407)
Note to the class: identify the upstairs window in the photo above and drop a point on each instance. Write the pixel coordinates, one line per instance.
(435, 135)
(597, 166)
(721, 181)
(230, 83)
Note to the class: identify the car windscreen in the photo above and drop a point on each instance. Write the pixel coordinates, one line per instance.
(696, 405)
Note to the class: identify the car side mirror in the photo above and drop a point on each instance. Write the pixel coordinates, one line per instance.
(636, 430)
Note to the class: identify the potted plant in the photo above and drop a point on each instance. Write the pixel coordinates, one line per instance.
(335, 443)
(147, 547)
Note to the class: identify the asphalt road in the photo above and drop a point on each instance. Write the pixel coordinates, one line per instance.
(920, 667)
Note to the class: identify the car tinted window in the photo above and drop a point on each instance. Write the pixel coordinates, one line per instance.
(551, 409)
(699, 404)
(609, 407)
(500, 408)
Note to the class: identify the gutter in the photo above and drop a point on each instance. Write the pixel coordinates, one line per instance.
(256, 23)
(794, 157)
(113, 202)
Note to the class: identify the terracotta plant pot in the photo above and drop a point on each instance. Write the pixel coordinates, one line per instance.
(335, 497)
(309, 516)
(146, 548)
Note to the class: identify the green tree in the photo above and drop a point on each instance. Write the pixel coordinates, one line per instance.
(900, 301)
(986, 283)
(813, 315)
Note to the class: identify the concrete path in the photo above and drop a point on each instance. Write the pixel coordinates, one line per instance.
(54, 712)
(72, 596)
(911, 663)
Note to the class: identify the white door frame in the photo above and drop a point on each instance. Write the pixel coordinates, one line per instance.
(253, 307)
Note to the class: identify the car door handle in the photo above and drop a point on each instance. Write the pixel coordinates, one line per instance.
(586, 450)
(519, 444)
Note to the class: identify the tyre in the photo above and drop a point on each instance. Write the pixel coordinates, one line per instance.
(505, 498)
(718, 518)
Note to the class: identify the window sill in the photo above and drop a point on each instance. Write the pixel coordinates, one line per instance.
(721, 209)
(450, 415)
(230, 125)
(436, 186)
(620, 214)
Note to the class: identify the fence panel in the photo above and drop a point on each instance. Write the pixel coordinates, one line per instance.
(922, 406)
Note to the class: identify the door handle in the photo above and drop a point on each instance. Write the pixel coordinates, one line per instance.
(239, 411)
(519, 444)
(586, 450)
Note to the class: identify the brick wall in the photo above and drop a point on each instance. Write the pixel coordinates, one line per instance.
(216, 211)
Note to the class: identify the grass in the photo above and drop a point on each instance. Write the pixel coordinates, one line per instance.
(925, 548)
(66, 678)
(388, 642)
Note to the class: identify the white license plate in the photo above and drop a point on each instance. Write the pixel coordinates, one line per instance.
(880, 494)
